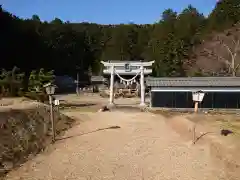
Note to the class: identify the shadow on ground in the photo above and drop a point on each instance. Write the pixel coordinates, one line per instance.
(97, 130)
(75, 105)
(126, 108)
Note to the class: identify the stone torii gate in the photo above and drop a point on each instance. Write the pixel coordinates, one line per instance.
(133, 68)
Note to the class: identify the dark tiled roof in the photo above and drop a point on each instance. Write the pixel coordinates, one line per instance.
(193, 82)
(124, 61)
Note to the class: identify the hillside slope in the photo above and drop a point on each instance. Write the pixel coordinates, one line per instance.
(213, 57)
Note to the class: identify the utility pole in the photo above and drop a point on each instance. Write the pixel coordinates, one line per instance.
(77, 88)
(77, 84)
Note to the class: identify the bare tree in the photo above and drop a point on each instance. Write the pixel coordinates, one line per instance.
(232, 51)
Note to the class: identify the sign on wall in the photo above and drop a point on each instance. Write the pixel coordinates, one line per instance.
(198, 96)
(127, 67)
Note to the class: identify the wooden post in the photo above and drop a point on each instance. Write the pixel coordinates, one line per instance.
(194, 126)
(52, 119)
(196, 107)
(197, 98)
(194, 134)
(150, 94)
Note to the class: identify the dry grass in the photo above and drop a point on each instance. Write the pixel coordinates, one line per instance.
(26, 132)
(81, 107)
(168, 113)
(224, 150)
(231, 124)
(219, 121)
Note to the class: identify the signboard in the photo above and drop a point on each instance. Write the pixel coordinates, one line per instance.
(56, 102)
(198, 96)
(127, 67)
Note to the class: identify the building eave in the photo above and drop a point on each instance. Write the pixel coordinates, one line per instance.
(193, 89)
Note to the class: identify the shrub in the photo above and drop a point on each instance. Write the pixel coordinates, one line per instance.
(38, 78)
(11, 82)
(39, 96)
(25, 133)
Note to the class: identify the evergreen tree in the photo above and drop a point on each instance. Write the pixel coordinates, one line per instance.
(225, 14)
(62, 46)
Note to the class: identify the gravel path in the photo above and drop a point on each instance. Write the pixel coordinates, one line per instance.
(144, 147)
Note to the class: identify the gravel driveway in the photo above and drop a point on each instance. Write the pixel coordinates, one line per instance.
(119, 146)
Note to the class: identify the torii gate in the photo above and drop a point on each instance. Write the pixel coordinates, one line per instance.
(139, 69)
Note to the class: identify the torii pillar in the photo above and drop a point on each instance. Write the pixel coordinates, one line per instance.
(142, 86)
(111, 96)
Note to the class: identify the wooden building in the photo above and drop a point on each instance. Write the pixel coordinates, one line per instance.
(220, 92)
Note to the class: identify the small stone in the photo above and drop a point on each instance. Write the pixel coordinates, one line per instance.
(225, 132)
(8, 165)
(103, 109)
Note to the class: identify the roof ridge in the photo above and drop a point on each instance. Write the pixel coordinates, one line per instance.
(194, 81)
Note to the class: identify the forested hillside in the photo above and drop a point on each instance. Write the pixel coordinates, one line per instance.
(176, 42)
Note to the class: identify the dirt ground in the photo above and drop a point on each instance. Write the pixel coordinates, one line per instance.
(126, 144)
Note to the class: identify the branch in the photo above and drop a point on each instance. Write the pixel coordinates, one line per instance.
(235, 69)
(229, 50)
(233, 54)
(234, 42)
(236, 46)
